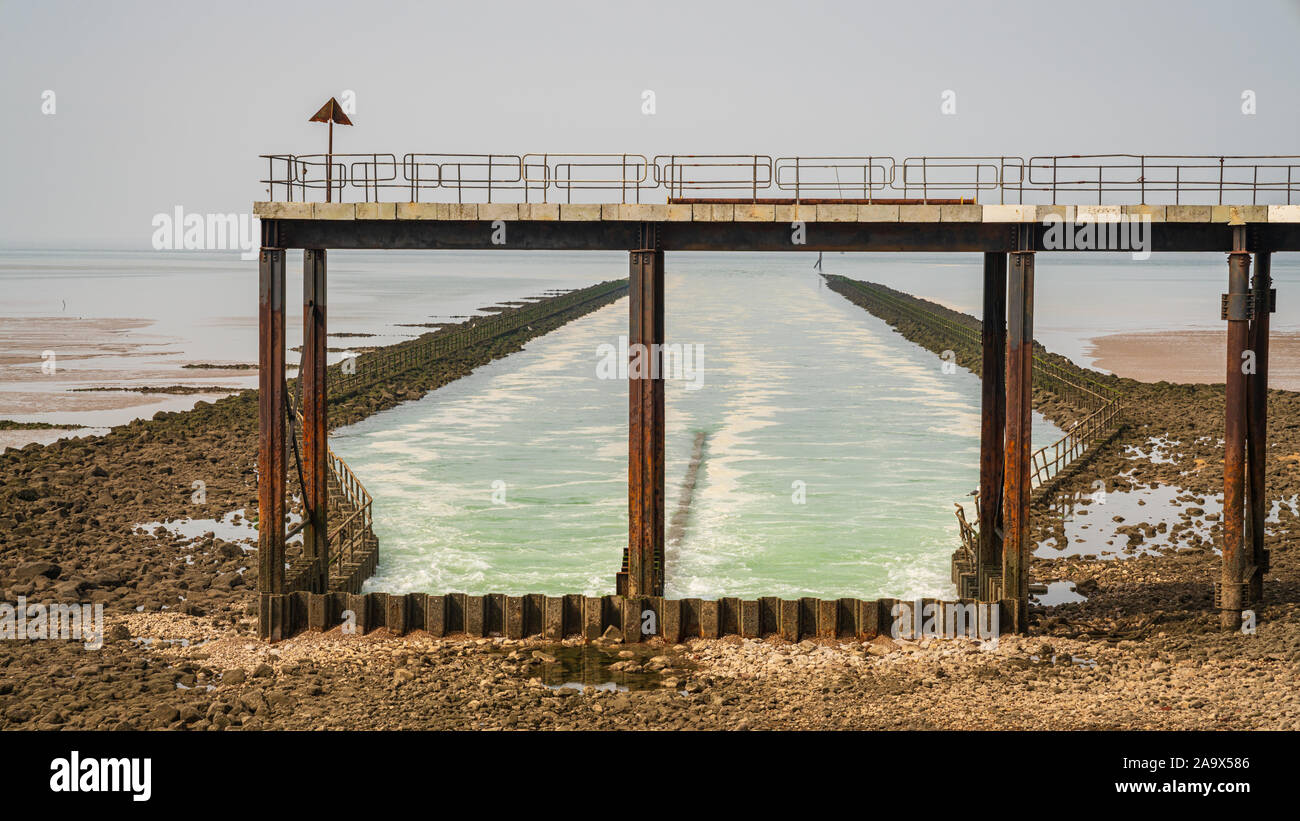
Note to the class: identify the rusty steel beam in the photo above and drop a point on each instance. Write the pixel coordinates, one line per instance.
(645, 488)
(1019, 445)
(1232, 594)
(315, 425)
(270, 441)
(1257, 426)
(993, 419)
(614, 235)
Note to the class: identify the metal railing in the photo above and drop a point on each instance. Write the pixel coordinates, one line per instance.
(355, 534)
(969, 534)
(679, 173)
(461, 173)
(835, 176)
(961, 176)
(1047, 462)
(1174, 174)
(552, 177)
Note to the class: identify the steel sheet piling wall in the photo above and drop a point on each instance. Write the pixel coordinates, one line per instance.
(271, 441)
(1019, 446)
(644, 560)
(993, 414)
(315, 455)
(589, 617)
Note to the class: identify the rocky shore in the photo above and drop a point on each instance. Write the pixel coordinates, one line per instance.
(1141, 651)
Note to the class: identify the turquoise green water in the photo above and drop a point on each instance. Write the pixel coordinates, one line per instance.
(800, 389)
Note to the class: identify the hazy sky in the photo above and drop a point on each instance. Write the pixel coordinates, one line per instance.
(162, 104)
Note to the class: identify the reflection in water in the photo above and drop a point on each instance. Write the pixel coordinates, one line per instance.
(1057, 593)
(1146, 520)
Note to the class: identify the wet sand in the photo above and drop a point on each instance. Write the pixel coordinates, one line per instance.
(94, 353)
(1189, 357)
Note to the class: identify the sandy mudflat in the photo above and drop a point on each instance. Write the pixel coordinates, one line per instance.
(1189, 357)
(92, 353)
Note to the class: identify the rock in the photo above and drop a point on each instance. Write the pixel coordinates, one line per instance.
(28, 572)
(19, 713)
(882, 646)
(235, 676)
(118, 632)
(69, 590)
(263, 670)
(253, 702)
(165, 714)
(544, 658)
(226, 581)
(282, 701)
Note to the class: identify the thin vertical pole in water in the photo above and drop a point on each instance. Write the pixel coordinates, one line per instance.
(1232, 595)
(643, 571)
(993, 419)
(1257, 429)
(270, 441)
(1020, 379)
(315, 428)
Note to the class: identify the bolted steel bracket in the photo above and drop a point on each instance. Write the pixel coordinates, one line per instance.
(1236, 307)
(1245, 594)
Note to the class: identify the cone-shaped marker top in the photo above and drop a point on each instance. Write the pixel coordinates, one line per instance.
(331, 112)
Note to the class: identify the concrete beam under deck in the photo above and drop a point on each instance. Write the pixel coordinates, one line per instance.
(758, 227)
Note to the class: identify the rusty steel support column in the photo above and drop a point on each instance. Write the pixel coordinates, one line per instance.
(643, 561)
(993, 420)
(1257, 426)
(1232, 594)
(315, 428)
(270, 442)
(1020, 379)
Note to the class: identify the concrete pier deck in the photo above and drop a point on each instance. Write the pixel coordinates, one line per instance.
(755, 227)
